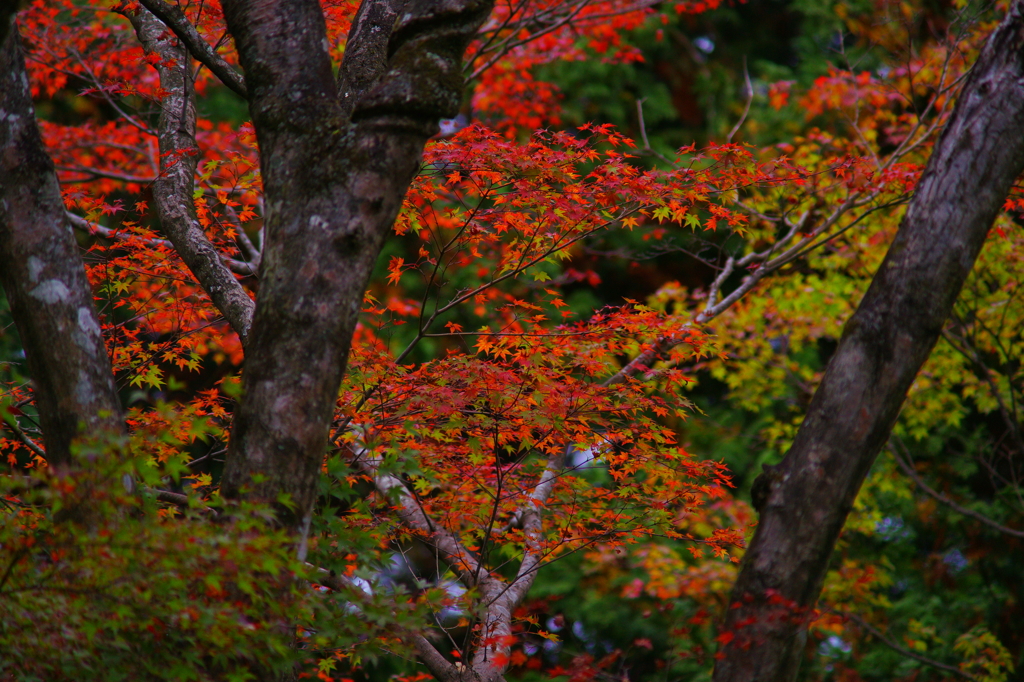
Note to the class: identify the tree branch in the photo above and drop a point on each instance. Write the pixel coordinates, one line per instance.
(911, 473)
(746, 109)
(808, 496)
(366, 51)
(176, 20)
(173, 188)
(900, 649)
(24, 438)
(499, 598)
(466, 565)
(79, 223)
(437, 664)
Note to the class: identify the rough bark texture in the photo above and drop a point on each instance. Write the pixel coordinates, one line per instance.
(174, 187)
(804, 500)
(44, 278)
(176, 20)
(366, 53)
(333, 185)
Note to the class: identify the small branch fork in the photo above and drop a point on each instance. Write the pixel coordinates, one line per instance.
(500, 597)
(176, 20)
(785, 250)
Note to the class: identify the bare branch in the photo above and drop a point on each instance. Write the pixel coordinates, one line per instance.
(716, 286)
(875, 632)
(498, 597)
(97, 174)
(173, 188)
(238, 266)
(533, 529)
(366, 50)
(911, 473)
(24, 438)
(640, 119)
(469, 569)
(438, 665)
(177, 499)
(750, 99)
(176, 20)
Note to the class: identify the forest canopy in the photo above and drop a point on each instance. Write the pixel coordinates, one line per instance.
(511, 340)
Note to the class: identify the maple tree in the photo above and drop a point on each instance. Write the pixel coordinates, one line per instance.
(488, 427)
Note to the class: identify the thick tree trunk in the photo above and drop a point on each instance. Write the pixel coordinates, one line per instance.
(804, 500)
(333, 184)
(44, 277)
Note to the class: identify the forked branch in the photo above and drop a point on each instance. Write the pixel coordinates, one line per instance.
(176, 20)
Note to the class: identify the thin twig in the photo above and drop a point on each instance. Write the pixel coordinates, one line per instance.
(239, 267)
(24, 438)
(640, 117)
(875, 632)
(750, 99)
(909, 470)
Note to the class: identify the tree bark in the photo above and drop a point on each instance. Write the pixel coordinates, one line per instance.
(804, 500)
(175, 19)
(175, 185)
(43, 275)
(333, 185)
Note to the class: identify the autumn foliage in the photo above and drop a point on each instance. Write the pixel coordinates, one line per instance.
(493, 425)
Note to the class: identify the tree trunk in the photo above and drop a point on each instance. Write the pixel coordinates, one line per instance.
(44, 277)
(804, 500)
(333, 184)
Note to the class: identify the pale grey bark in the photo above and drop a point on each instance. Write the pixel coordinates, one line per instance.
(176, 20)
(498, 597)
(174, 187)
